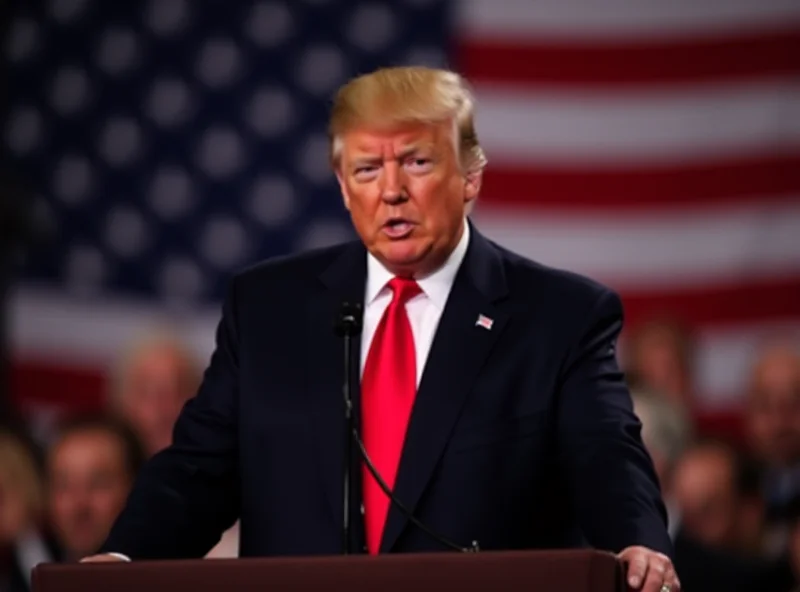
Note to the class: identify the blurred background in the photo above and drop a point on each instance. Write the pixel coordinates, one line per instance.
(151, 148)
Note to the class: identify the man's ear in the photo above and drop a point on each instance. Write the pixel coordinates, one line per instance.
(472, 184)
(343, 189)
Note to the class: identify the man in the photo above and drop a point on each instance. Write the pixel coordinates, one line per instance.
(717, 545)
(773, 419)
(91, 467)
(151, 384)
(773, 430)
(715, 489)
(660, 355)
(522, 430)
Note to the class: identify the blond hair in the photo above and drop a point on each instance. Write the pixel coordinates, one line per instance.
(19, 473)
(390, 97)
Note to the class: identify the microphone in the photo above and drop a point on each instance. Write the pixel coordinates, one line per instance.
(348, 324)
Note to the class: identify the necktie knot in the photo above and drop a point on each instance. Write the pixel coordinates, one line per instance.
(404, 289)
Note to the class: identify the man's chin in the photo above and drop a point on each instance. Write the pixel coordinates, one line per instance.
(403, 261)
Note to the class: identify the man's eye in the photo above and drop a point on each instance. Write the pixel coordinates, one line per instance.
(419, 164)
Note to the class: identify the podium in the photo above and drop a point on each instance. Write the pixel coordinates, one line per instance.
(508, 571)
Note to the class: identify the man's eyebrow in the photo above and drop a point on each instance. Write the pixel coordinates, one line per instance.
(405, 152)
(365, 159)
(412, 149)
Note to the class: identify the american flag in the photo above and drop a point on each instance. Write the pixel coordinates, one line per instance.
(485, 322)
(652, 145)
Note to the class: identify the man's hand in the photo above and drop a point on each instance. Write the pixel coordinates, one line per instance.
(103, 558)
(650, 571)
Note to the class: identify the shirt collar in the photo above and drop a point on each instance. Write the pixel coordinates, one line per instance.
(436, 285)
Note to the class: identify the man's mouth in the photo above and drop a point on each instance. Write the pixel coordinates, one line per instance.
(397, 228)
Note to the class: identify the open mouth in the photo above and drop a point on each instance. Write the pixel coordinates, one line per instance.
(397, 228)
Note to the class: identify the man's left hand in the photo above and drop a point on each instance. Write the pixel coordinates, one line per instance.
(650, 571)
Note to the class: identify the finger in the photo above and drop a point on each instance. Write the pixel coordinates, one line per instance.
(637, 570)
(101, 559)
(671, 579)
(656, 576)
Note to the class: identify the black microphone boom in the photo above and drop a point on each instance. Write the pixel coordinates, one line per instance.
(474, 548)
(348, 324)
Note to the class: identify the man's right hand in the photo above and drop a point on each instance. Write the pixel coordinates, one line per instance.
(103, 558)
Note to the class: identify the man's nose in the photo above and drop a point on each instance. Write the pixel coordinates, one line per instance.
(393, 186)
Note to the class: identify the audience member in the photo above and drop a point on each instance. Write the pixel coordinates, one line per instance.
(91, 468)
(773, 419)
(23, 540)
(708, 485)
(659, 355)
(721, 523)
(150, 386)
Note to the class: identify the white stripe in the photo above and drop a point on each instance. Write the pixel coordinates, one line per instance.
(75, 330)
(657, 247)
(638, 126)
(51, 327)
(612, 19)
(725, 358)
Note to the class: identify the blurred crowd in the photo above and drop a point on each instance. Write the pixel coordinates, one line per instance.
(733, 503)
(61, 492)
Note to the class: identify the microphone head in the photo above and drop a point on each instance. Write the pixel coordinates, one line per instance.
(348, 320)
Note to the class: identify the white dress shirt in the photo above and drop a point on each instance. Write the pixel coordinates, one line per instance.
(424, 310)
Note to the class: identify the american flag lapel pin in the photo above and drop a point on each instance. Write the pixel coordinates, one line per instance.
(485, 322)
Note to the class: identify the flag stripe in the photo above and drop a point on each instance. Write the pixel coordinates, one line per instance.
(745, 301)
(725, 356)
(741, 55)
(45, 383)
(522, 127)
(618, 19)
(655, 249)
(688, 185)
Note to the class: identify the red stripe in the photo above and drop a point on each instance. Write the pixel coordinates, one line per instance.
(726, 423)
(733, 57)
(73, 388)
(750, 301)
(688, 184)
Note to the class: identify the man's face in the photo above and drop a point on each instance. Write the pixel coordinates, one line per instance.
(89, 484)
(154, 393)
(774, 413)
(406, 194)
(658, 364)
(703, 487)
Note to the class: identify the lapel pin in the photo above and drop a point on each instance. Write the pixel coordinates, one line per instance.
(485, 322)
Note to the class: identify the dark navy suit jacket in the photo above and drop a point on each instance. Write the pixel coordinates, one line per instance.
(521, 436)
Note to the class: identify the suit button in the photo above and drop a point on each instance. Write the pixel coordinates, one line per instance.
(362, 509)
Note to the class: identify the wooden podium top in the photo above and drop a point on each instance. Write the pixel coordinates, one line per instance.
(542, 571)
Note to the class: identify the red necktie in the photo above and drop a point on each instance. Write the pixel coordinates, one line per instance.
(388, 387)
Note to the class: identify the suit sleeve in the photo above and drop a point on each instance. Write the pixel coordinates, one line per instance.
(609, 473)
(187, 495)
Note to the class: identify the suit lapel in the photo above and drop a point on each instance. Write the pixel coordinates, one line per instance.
(343, 281)
(457, 354)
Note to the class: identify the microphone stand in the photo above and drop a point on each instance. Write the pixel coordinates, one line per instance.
(348, 325)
